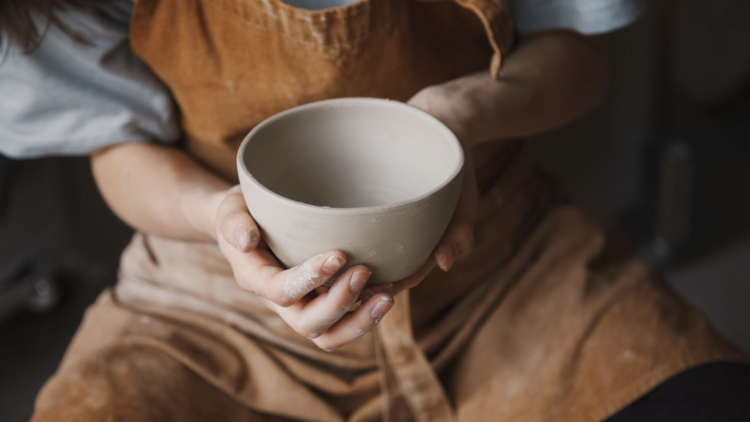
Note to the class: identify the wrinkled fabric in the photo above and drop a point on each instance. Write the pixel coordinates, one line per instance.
(551, 318)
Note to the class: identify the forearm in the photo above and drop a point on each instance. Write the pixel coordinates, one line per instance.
(551, 79)
(159, 190)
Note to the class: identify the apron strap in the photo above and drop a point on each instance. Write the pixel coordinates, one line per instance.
(498, 25)
(413, 373)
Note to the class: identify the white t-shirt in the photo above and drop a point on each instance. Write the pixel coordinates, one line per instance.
(67, 98)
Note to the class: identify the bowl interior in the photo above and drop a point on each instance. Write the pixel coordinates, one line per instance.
(352, 153)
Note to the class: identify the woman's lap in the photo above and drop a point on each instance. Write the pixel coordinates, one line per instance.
(136, 383)
(581, 331)
(142, 384)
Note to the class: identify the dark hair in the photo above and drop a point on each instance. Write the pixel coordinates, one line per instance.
(18, 24)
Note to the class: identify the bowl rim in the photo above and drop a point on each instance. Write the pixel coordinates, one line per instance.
(350, 102)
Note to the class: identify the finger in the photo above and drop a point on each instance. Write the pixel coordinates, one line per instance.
(397, 287)
(287, 287)
(319, 314)
(457, 241)
(261, 273)
(458, 238)
(445, 254)
(356, 324)
(321, 290)
(235, 224)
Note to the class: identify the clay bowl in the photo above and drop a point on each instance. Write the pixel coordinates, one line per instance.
(375, 179)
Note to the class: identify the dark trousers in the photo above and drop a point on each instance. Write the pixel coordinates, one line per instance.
(714, 392)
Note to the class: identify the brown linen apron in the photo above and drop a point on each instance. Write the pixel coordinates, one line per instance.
(550, 318)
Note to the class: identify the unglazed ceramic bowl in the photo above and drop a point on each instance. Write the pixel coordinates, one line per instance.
(375, 179)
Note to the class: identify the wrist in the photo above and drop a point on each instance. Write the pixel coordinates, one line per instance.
(452, 104)
(199, 208)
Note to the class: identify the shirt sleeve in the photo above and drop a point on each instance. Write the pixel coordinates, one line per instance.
(585, 16)
(71, 98)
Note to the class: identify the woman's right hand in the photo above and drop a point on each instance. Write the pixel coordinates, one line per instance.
(297, 294)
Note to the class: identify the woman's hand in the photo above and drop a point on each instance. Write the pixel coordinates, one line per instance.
(550, 79)
(446, 103)
(319, 313)
(163, 191)
(298, 294)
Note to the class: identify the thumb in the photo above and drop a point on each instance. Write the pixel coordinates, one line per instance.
(234, 223)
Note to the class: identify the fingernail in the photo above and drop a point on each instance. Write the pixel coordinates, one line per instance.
(253, 238)
(332, 264)
(359, 280)
(241, 238)
(381, 309)
(443, 257)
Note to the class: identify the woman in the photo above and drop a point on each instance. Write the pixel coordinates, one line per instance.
(536, 312)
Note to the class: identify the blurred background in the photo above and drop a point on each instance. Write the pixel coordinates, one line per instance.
(667, 155)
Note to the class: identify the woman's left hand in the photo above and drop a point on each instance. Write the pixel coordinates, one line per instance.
(447, 105)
